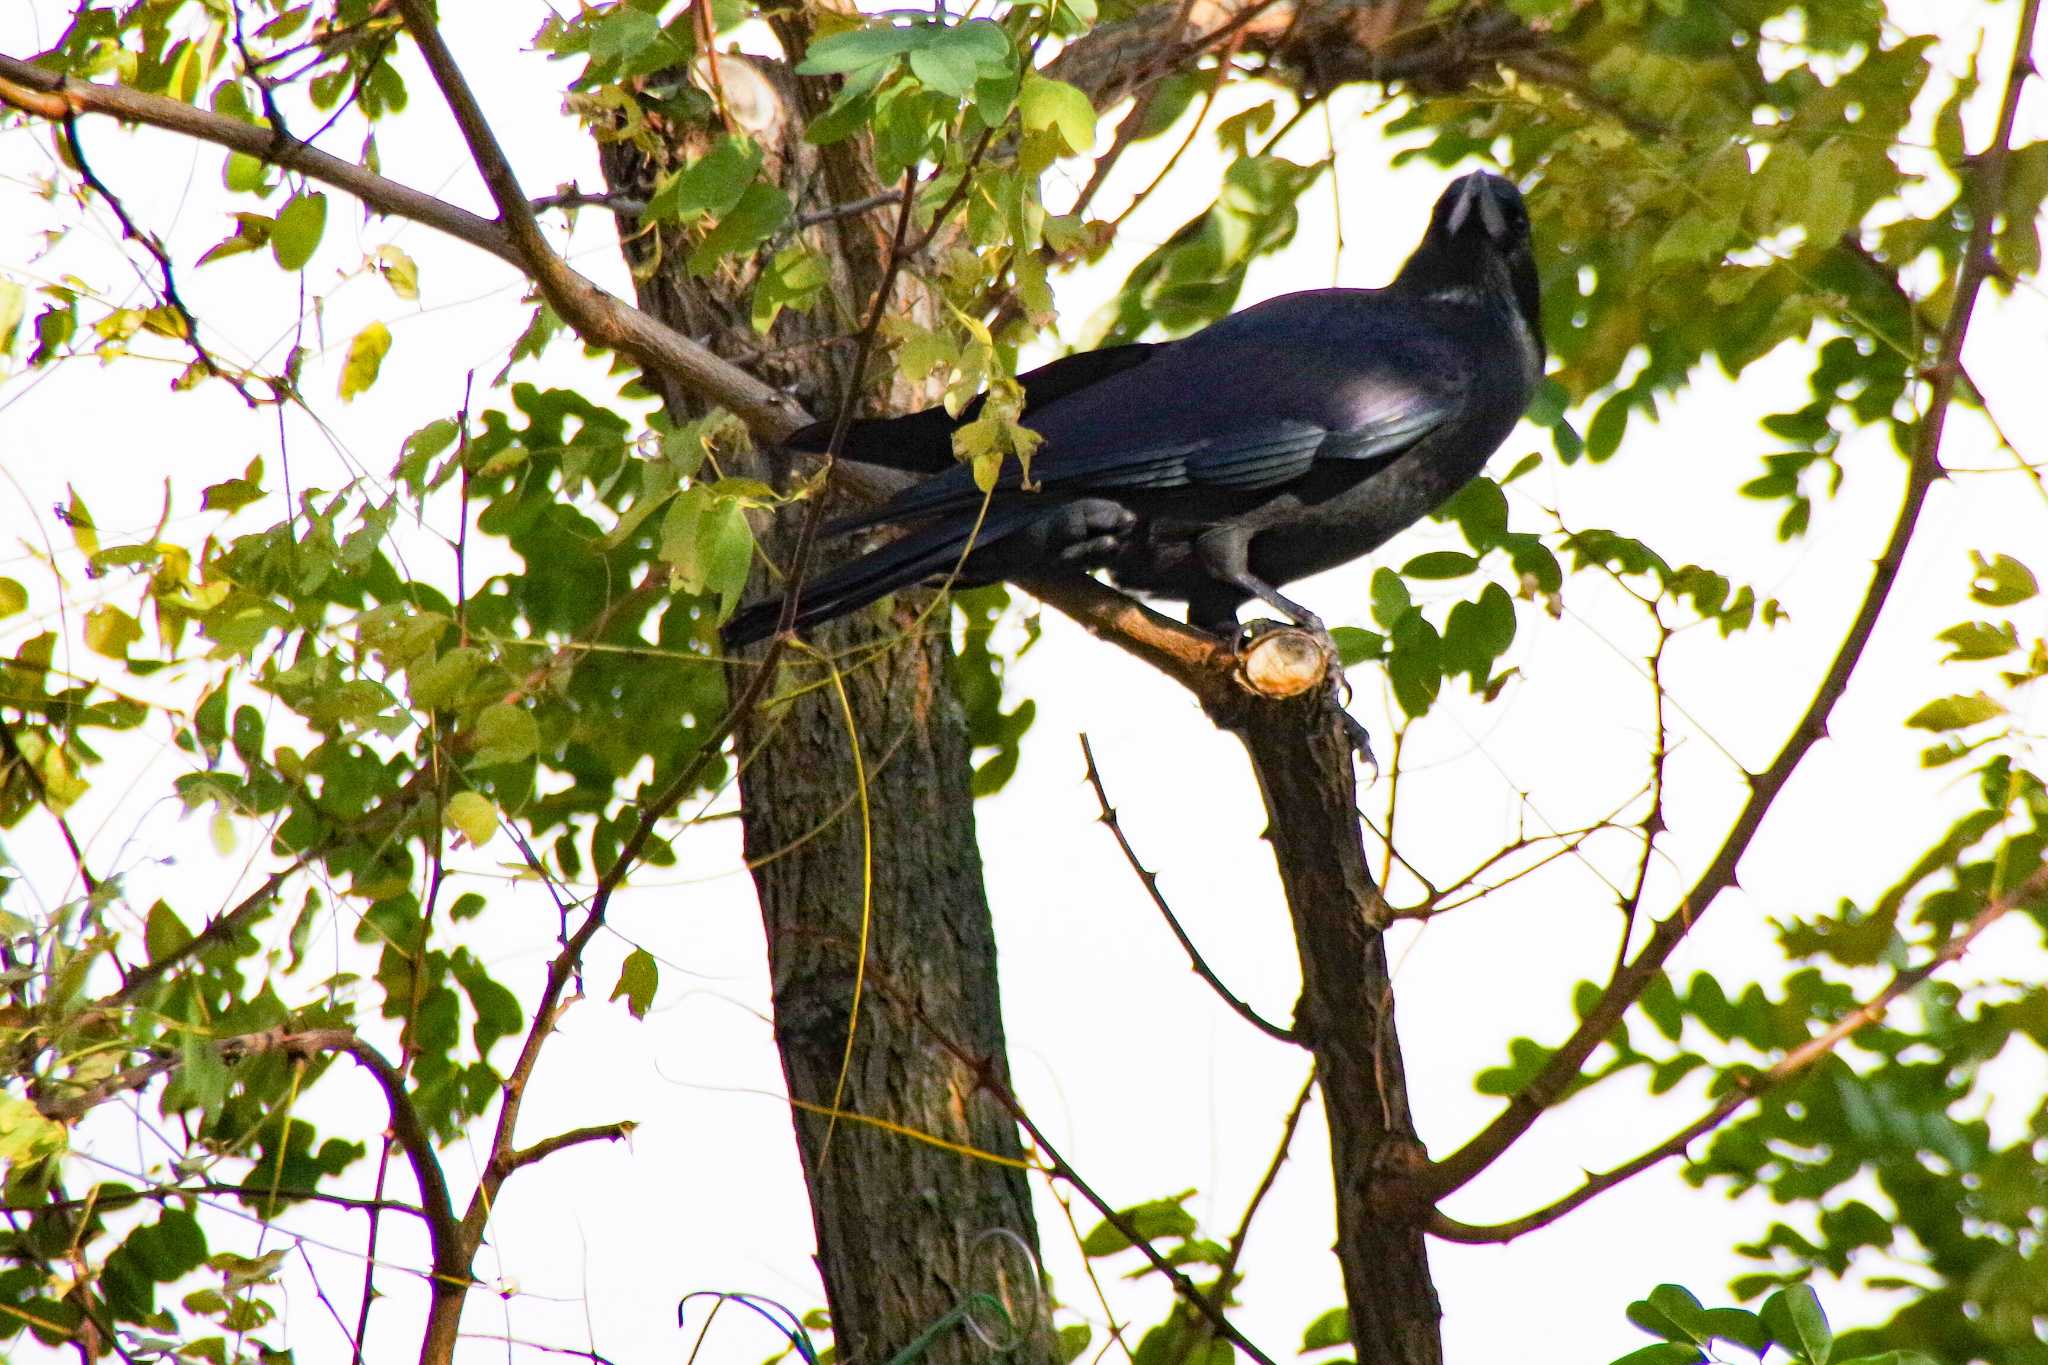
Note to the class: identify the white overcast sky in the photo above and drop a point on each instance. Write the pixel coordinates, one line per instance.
(1147, 1083)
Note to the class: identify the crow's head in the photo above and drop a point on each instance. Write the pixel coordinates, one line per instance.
(1477, 246)
(1482, 208)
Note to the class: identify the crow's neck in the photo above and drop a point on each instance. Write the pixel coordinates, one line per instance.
(1476, 279)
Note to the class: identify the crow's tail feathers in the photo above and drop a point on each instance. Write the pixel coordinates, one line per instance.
(932, 552)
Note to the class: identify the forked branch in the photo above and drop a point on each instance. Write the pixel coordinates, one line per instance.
(1749, 1088)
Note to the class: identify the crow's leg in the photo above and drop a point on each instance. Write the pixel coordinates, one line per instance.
(1226, 554)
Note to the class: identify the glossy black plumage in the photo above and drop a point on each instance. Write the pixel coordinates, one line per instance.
(1286, 439)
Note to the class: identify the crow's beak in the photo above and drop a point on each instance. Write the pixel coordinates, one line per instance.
(1476, 193)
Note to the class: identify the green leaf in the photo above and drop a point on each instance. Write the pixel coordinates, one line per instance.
(1355, 646)
(1794, 1316)
(623, 34)
(1979, 640)
(506, 734)
(956, 59)
(1045, 103)
(299, 225)
(1440, 564)
(13, 597)
(1074, 1338)
(856, 48)
(637, 981)
(473, 816)
(164, 933)
(1390, 600)
(232, 495)
(1331, 1328)
(1663, 1353)
(1152, 1220)
(711, 185)
(366, 351)
(761, 209)
(1700, 236)
(1953, 713)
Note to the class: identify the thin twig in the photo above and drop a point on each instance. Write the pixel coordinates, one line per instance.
(1750, 1087)
(165, 269)
(1151, 884)
(10, 750)
(1057, 1166)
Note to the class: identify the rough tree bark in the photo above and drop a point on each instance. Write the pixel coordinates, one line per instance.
(876, 851)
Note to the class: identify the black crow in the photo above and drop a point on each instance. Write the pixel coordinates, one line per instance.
(1286, 439)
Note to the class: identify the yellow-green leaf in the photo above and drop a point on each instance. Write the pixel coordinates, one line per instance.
(365, 358)
(400, 271)
(109, 631)
(637, 980)
(299, 225)
(472, 816)
(13, 597)
(1954, 713)
(1047, 103)
(506, 734)
(13, 302)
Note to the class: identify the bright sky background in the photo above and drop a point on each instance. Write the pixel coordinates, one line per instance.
(1148, 1084)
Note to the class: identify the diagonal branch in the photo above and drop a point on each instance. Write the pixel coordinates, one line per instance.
(1987, 179)
(216, 930)
(599, 317)
(602, 318)
(1747, 1088)
(1151, 883)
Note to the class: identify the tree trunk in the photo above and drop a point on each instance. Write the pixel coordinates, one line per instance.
(876, 852)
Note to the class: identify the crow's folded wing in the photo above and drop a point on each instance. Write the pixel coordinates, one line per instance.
(1241, 417)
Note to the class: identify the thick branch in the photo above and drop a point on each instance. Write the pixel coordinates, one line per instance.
(1747, 1088)
(52, 95)
(599, 317)
(1987, 177)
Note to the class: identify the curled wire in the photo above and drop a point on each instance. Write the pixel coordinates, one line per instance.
(1032, 1279)
(799, 1339)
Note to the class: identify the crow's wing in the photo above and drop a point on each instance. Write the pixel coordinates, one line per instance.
(922, 442)
(1240, 413)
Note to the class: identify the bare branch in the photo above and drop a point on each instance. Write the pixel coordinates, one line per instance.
(1986, 180)
(51, 95)
(1747, 1088)
(1150, 881)
(547, 1147)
